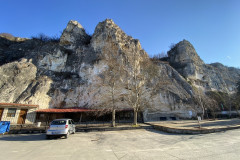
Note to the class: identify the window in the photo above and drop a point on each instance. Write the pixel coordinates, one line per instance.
(58, 122)
(11, 112)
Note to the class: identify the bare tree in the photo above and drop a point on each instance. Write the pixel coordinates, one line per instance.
(159, 56)
(235, 98)
(198, 99)
(238, 87)
(141, 73)
(131, 72)
(112, 79)
(135, 84)
(205, 101)
(236, 102)
(211, 105)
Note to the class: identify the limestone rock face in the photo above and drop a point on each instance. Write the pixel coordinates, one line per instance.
(85, 90)
(184, 58)
(69, 73)
(19, 84)
(74, 35)
(186, 61)
(108, 32)
(223, 75)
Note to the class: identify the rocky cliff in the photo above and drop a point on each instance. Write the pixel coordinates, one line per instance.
(69, 73)
(209, 77)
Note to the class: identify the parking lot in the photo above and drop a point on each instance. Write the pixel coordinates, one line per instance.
(128, 144)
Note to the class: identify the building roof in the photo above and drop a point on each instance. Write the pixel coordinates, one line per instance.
(18, 105)
(64, 110)
(71, 110)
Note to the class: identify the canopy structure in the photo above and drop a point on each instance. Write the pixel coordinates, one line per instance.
(82, 114)
(72, 110)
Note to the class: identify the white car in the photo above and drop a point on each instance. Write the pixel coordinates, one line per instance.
(61, 127)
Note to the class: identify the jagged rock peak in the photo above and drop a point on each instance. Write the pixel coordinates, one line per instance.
(184, 52)
(108, 32)
(108, 23)
(73, 23)
(184, 58)
(107, 27)
(74, 34)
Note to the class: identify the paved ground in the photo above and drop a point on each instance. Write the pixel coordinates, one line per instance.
(129, 144)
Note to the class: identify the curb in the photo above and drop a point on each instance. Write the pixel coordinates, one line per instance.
(193, 131)
(36, 131)
(112, 128)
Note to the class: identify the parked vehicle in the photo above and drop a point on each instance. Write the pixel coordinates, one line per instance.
(61, 127)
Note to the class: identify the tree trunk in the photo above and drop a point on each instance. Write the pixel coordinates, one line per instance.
(113, 118)
(207, 114)
(203, 112)
(214, 115)
(80, 120)
(135, 117)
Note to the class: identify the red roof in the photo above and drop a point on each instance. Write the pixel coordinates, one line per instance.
(64, 110)
(17, 104)
(71, 110)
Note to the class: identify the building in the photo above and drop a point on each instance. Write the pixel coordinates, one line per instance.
(83, 115)
(18, 113)
(29, 114)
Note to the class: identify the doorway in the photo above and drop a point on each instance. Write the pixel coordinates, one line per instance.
(1, 113)
(22, 116)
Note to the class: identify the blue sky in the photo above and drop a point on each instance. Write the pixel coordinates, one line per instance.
(212, 26)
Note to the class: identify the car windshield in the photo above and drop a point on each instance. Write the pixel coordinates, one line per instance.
(58, 122)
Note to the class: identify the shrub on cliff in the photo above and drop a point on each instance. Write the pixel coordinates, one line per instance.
(44, 38)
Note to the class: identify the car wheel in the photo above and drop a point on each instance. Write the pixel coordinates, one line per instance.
(48, 137)
(66, 135)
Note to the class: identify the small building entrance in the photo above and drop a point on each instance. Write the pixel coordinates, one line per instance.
(1, 113)
(22, 116)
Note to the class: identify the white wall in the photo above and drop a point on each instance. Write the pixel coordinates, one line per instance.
(30, 119)
(13, 120)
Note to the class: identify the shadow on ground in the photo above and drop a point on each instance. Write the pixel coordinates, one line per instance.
(26, 137)
(163, 133)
